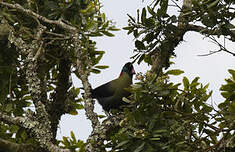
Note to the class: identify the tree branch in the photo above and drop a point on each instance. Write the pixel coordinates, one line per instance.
(222, 48)
(43, 132)
(20, 121)
(24, 122)
(92, 145)
(40, 129)
(206, 31)
(42, 18)
(9, 146)
(160, 56)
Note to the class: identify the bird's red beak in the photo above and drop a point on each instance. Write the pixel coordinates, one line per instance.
(132, 71)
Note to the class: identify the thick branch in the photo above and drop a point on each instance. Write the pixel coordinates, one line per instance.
(41, 129)
(32, 74)
(43, 132)
(89, 103)
(20, 121)
(9, 146)
(108, 125)
(81, 67)
(42, 18)
(199, 29)
(206, 31)
(160, 56)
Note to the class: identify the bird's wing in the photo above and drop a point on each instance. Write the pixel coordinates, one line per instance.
(106, 90)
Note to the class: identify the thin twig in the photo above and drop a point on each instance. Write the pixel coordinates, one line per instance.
(210, 53)
(176, 5)
(222, 47)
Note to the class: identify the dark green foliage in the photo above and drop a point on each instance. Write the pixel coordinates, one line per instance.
(13, 90)
(156, 27)
(55, 65)
(8, 57)
(165, 117)
(73, 144)
(228, 106)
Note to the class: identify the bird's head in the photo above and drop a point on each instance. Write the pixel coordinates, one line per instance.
(129, 69)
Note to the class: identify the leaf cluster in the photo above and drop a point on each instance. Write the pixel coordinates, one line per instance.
(164, 117)
(227, 108)
(57, 62)
(72, 143)
(155, 28)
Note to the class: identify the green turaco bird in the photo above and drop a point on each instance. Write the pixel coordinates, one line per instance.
(110, 94)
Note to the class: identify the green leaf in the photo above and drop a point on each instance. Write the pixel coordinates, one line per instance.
(180, 143)
(156, 3)
(232, 108)
(206, 86)
(225, 94)
(27, 97)
(105, 25)
(101, 66)
(100, 55)
(128, 28)
(213, 4)
(136, 34)
(126, 100)
(73, 136)
(201, 126)
(151, 11)
(186, 83)
(95, 34)
(195, 80)
(208, 21)
(223, 105)
(155, 139)
(96, 71)
(140, 148)
(77, 91)
(162, 93)
(141, 58)
(160, 131)
(163, 9)
(103, 16)
(228, 87)
(27, 104)
(139, 45)
(143, 15)
(107, 33)
(149, 37)
(113, 29)
(232, 72)
(74, 112)
(175, 72)
(150, 22)
(122, 143)
(207, 109)
(65, 141)
(79, 106)
(101, 116)
(9, 107)
(132, 19)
